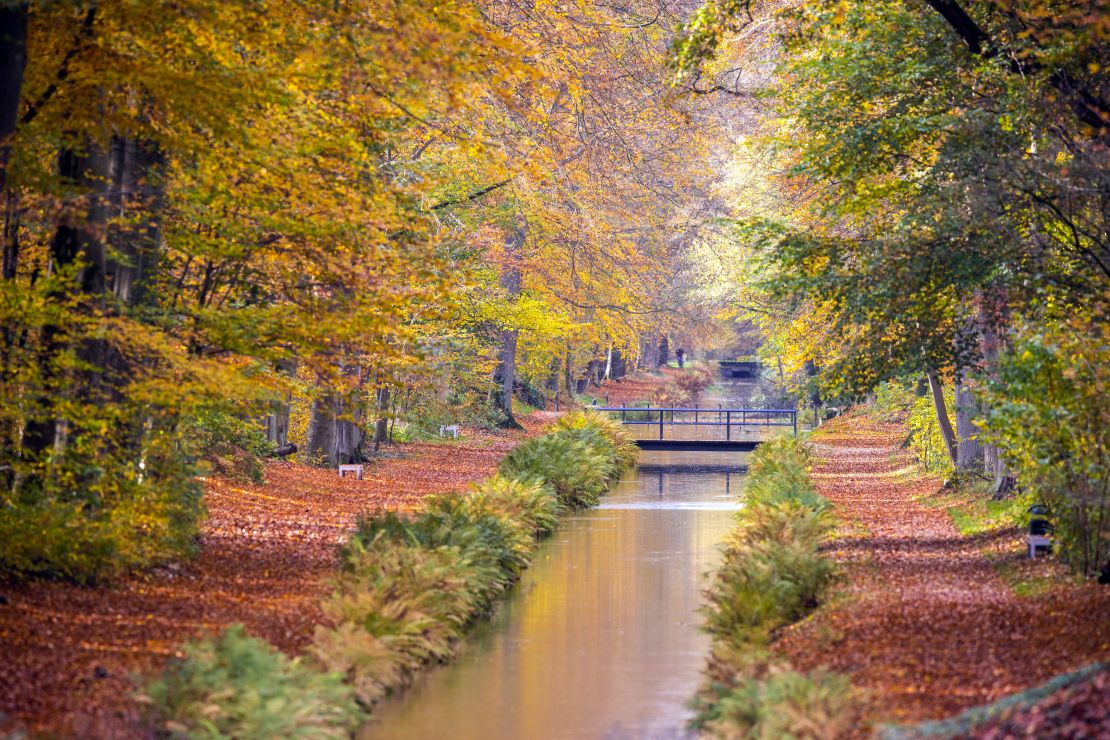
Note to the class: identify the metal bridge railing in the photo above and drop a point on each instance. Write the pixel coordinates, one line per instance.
(704, 417)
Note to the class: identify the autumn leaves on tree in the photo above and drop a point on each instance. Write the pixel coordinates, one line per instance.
(942, 199)
(320, 215)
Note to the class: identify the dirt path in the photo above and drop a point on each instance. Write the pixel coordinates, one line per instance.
(926, 625)
(265, 555)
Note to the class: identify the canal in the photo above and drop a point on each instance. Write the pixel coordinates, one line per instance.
(601, 637)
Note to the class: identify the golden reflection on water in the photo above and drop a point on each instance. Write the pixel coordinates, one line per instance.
(601, 638)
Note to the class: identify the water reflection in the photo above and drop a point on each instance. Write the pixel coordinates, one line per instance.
(600, 639)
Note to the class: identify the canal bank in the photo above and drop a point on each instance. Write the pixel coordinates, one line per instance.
(602, 636)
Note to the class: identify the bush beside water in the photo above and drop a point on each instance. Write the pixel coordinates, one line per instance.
(407, 591)
(773, 574)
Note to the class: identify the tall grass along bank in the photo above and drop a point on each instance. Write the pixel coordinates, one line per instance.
(773, 574)
(407, 591)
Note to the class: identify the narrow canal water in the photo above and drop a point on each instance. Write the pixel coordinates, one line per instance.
(601, 638)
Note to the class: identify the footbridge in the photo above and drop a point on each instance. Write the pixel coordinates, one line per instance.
(702, 429)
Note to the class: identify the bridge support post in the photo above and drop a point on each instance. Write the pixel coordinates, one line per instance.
(728, 426)
(661, 412)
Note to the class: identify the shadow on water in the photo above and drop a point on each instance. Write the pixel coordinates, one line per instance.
(600, 639)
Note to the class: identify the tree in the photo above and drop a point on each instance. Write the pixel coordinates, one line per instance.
(937, 148)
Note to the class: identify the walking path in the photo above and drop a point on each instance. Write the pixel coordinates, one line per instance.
(926, 625)
(265, 556)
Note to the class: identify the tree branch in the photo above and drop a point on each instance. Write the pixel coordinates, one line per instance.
(63, 69)
(1088, 108)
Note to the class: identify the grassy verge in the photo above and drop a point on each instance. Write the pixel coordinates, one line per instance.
(407, 592)
(999, 529)
(773, 574)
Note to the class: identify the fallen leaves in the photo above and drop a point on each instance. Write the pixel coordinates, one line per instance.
(266, 553)
(925, 624)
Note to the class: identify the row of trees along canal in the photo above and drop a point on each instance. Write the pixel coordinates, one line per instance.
(218, 212)
(933, 204)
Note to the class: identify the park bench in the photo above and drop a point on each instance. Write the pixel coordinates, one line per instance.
(356, 469)
(452, 429)
(1040, 529)
(1038, 542)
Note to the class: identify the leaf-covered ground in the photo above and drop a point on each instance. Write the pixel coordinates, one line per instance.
(635, 388)
(265, 556)
(925, 624)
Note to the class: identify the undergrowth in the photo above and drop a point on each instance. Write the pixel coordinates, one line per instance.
(773, 574)
(407, 591)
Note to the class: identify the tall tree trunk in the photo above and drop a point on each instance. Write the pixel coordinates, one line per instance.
(13, 62)
(941, 410)
(277, 421)
(568, 373)
(969, 451)
(619, 370)
(993, 319)
(137, 188)
(79, 237)
(381, 427)
(649, 352)
(552, 383)
(506, 367)
(334, 434)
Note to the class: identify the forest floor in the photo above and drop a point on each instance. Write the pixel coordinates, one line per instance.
(928, 622)
(635, 388)
(70, 654)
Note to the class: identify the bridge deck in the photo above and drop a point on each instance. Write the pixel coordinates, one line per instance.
(699, 445)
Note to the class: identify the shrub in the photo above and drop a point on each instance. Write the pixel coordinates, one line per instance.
(529, 500)
(494, 547)
(624, 451)
(100, 524)
(894, 399)
(410, 587)
(779, 472)
(783, 703)
(773, 574)
(578, 471)
(696, 378)
(239, 686)
(230, 444)
(397, 607)
(1048, 412)
(927, 442)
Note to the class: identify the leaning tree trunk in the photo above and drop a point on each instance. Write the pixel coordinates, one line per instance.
(506, 365)
(941, 410)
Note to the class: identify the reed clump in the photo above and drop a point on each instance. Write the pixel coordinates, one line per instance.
(408, 589)
(773, 574)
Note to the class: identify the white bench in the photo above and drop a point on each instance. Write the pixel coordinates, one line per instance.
(356, 469)
(1037, 540)
(452, 429)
